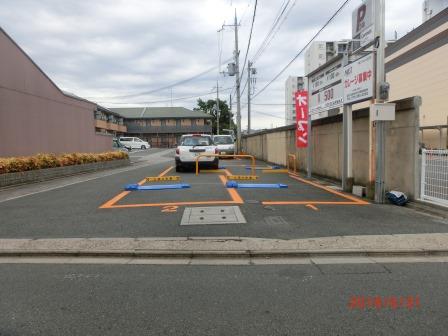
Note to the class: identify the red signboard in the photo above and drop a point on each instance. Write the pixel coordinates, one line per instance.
(301, 98)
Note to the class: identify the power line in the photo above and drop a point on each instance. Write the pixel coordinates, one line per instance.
(269, 115)
(277, 29)
(168, 86)
(250, 35)
(270, 35)
(168, 100)
(303, 49)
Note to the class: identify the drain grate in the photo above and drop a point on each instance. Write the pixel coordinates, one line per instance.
(212, 215)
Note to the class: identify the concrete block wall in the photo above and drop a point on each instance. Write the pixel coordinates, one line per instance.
(402, 169)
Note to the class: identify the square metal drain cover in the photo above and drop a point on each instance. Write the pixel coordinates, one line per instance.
(212, 215)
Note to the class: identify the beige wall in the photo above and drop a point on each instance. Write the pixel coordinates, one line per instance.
(426, 76)
(35, 116)
(401, 148)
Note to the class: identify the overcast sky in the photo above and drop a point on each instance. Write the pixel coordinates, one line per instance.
(102, 49)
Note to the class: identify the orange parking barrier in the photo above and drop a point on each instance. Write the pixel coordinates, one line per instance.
(293, 156)
(224, 156)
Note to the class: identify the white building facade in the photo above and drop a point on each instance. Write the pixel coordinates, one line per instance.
(320, 52)
(433, 7)
(292, 84)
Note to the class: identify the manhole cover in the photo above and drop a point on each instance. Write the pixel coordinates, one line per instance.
(212, 215)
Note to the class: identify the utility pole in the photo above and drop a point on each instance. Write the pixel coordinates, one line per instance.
(230, 113)
(234, 70)
(249, 65)
(217, 108)
(238, 92)
(380, 80)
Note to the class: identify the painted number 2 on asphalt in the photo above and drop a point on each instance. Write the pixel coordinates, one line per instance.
(170, 208)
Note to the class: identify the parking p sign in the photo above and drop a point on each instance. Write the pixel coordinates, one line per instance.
(301, 119)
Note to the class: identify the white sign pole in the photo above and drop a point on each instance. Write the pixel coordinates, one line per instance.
(347, 135)
(380, 78)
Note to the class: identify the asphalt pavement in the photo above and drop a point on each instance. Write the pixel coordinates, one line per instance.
(99, 207)
(334, 299)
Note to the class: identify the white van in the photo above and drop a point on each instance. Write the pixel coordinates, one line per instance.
(134, 143)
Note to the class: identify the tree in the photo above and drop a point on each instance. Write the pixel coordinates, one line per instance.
(225, 116)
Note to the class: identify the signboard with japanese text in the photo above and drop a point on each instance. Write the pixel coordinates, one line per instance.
(301, 98)
(359, 80)
(326, 90)
(363, 23)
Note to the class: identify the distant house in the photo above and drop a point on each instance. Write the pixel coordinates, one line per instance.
(163, 126)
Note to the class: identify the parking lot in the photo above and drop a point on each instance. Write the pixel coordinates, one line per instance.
(100, 207)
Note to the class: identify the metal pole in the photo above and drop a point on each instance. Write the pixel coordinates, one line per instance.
(347, 118)
(249, 64)
(380, 78)
(238, 93)
(217, 108)
(347, 172)
(309, 156)
(230, 113)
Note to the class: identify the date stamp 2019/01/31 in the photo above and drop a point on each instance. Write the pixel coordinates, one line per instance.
(359, 302)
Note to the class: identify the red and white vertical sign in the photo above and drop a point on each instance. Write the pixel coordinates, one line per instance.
(301, 98)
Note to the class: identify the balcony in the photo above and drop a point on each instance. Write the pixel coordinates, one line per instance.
(133, 128)
(110, 126)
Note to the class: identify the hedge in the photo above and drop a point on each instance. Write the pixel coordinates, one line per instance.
(41, 161)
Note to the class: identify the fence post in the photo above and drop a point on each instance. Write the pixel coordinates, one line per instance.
(423, 172)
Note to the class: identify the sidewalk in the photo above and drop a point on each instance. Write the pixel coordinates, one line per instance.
(405, 244)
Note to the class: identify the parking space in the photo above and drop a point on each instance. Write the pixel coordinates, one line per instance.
(101, 207)
(209, 188)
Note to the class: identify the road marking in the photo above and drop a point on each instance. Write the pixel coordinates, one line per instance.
(312, 207)
(351, 198)
(170, 208)
(275, 171)
(110, 203)
(235, 197)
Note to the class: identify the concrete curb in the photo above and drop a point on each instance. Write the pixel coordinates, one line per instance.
(435, 244)
(223, 254)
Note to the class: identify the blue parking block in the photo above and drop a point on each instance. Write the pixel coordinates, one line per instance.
(233, 184)
(132, 187)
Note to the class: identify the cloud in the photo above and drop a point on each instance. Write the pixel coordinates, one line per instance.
(104, 48)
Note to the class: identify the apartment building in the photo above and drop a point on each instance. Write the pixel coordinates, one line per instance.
(320, 52)
(292, 84)
(163, 126)
(36, 116)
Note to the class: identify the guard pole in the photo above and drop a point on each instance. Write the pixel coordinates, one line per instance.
(347, 171)
(309, 148)
(380, 125)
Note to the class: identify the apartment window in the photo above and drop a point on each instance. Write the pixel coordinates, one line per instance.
(185, 122)
(170, 122)
(200, 122)
(156, 122)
